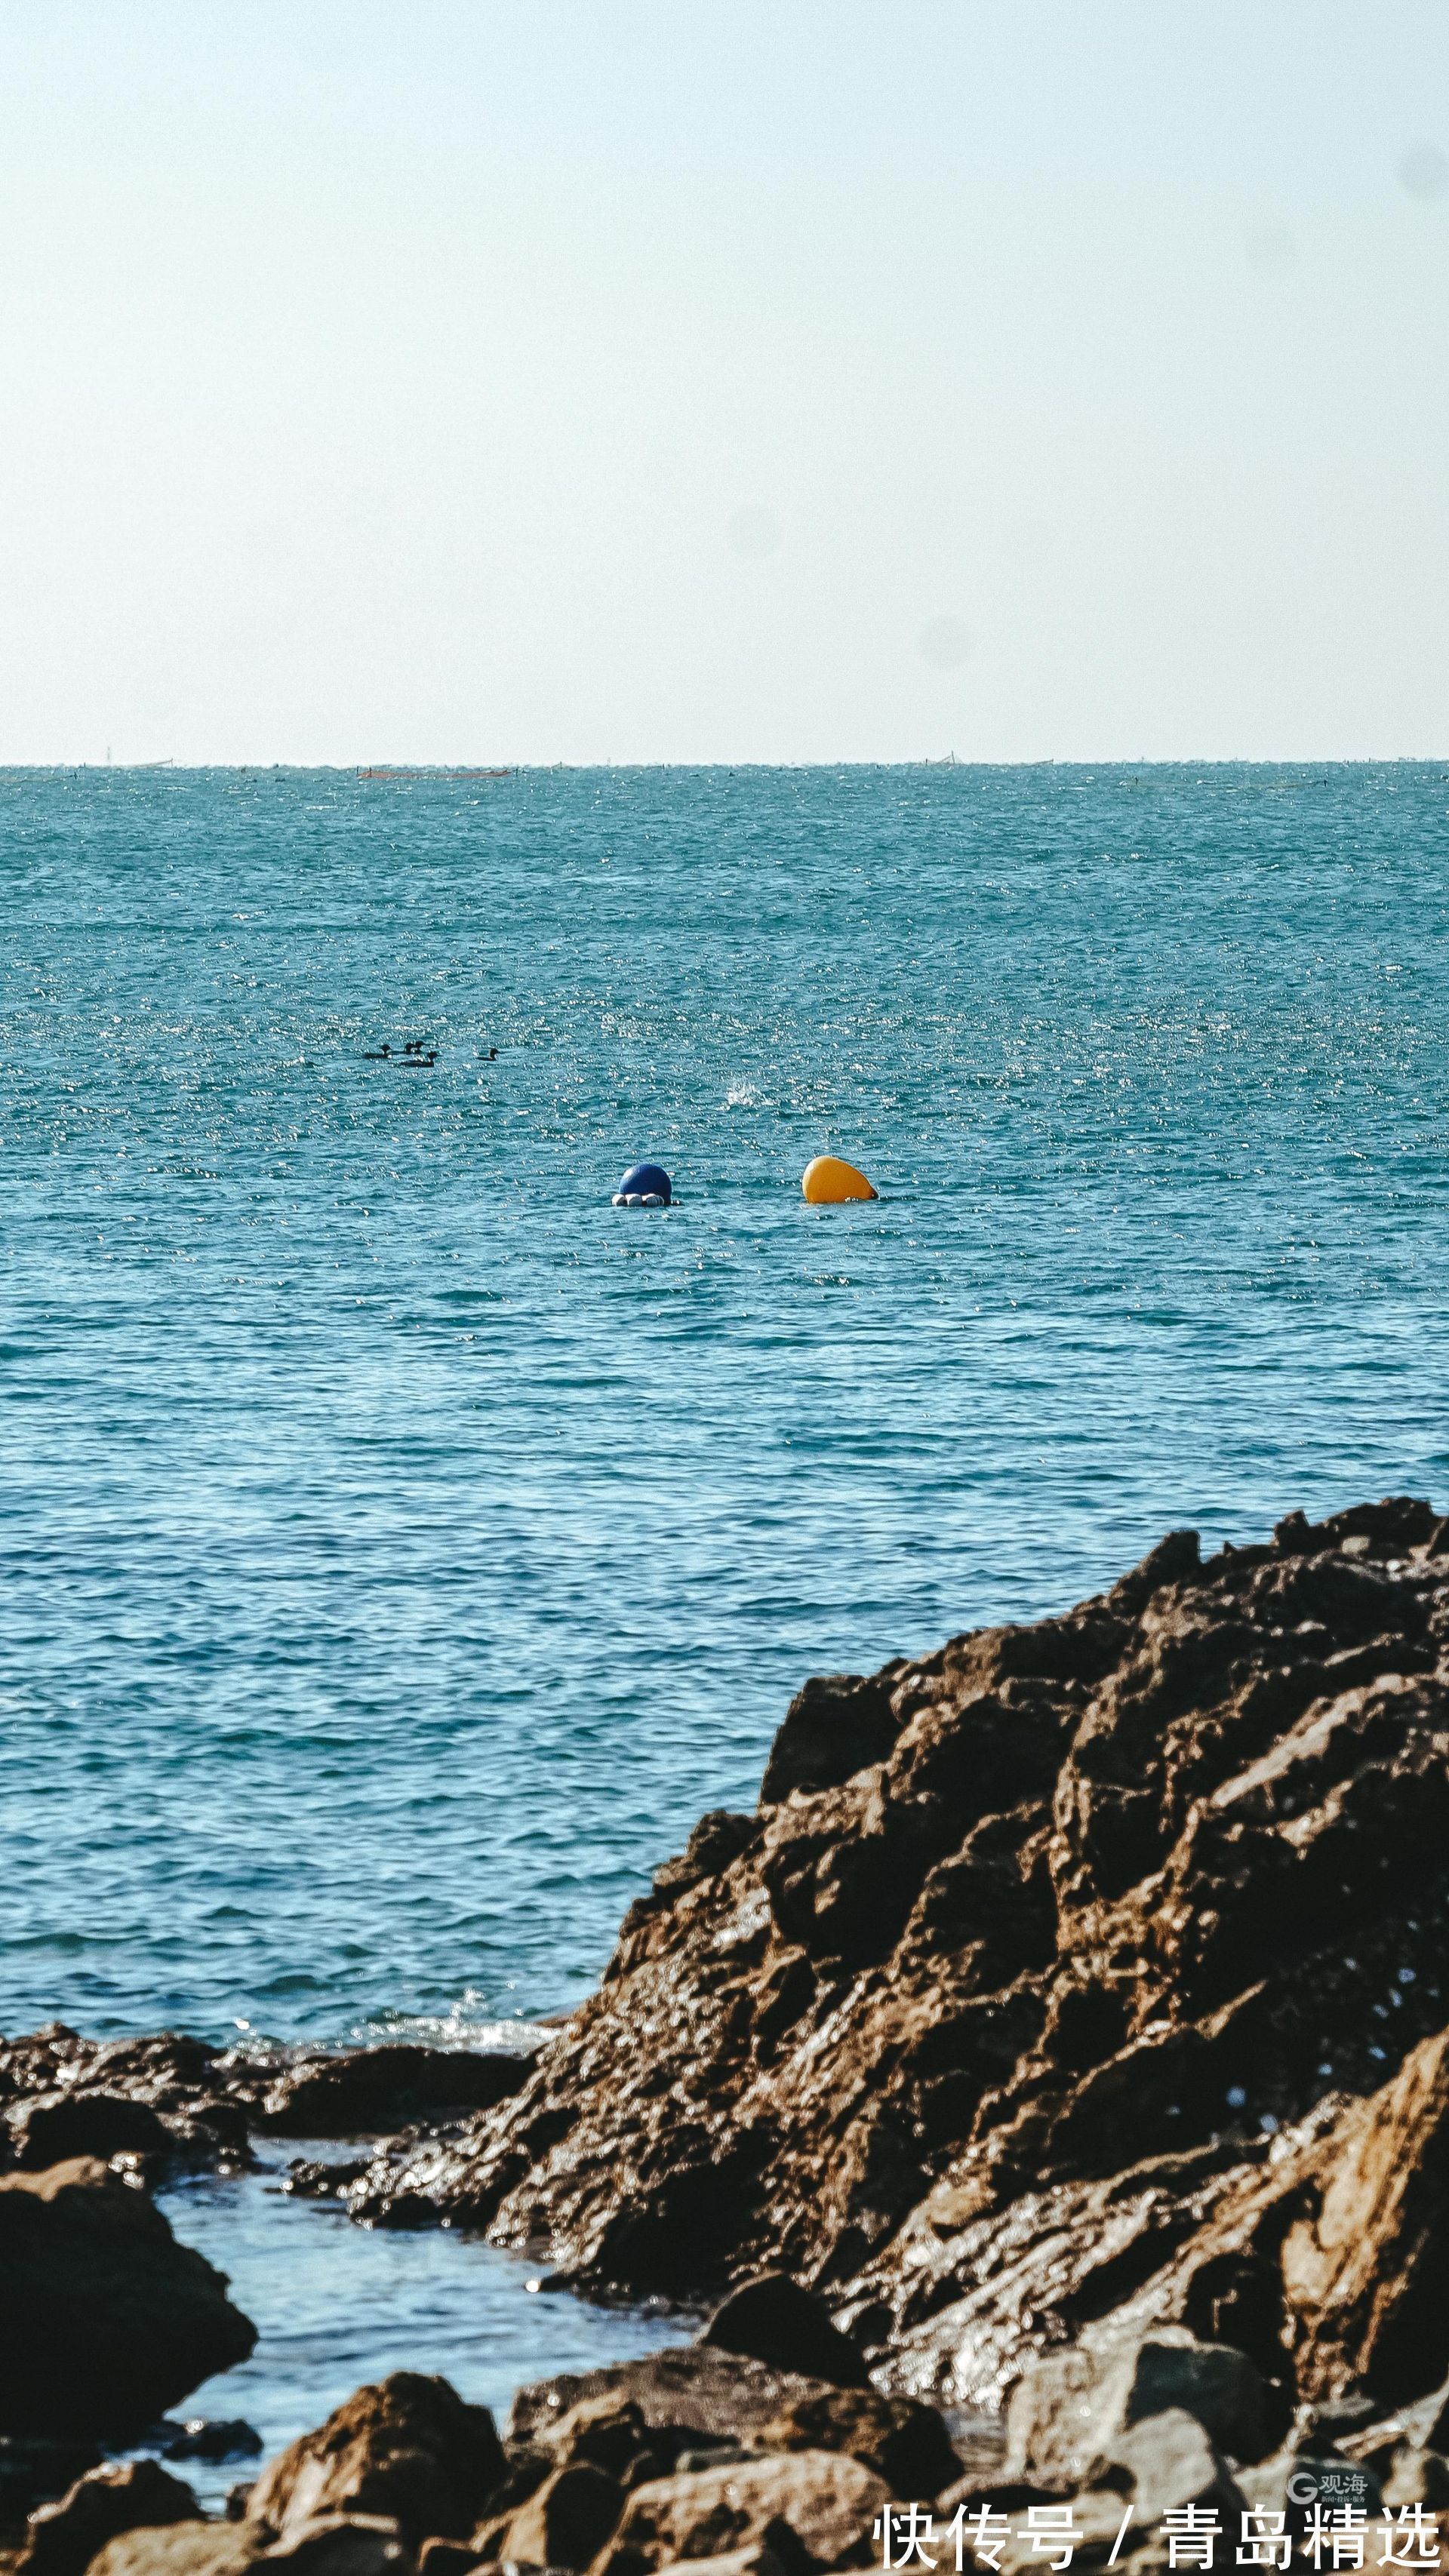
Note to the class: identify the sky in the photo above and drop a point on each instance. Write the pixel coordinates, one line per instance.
(661, 380)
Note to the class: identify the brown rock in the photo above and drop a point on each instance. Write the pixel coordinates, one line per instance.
(56, 2126)
(774, 2320)
(609, 2432)
(1064, 1975)
(1172, 2461)
(685, 2397)
(905, 2443)
(822, 2503)
(107, 2321)
(407, 2448)
(371, 2089)
(172, 2100)
(566, 2522)
(182, 2549)
(758, 2560)
(158, 2101)
(123, 2496)
(1367, 2274)
(340, 2544)
(1069, 2410)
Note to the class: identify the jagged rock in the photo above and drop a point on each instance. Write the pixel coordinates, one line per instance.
(833, 1727)
(811, 2502)
(340, 2544)
(369, 2089)
(175, 2100)
(56, 2126)
(1070, 2408)
(155, 2100)
(906, 2444)
(64, 2537)
(692, 2394)
(608, 2432)
(773, 2320)
(310, 2178)
(106, 2319)
(567, 2520)
(407, 2448)
(1172, 2461)
(1039, 1950)
(183, 2549)
(1367, 2272)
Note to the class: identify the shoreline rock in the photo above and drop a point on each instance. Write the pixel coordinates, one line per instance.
(1056, 1974)
(1065, 2036)
(172, 2102)
(106, 2320)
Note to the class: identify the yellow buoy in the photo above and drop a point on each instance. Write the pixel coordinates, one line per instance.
(827, 1182)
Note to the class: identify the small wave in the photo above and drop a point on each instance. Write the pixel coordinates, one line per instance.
(462, 2026)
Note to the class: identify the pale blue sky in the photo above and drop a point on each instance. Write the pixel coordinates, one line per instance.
(531, 380)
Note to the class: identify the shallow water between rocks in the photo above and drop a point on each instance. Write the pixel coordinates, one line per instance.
(337, 2304)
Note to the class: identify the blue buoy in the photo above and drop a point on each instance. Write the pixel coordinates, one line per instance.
(644, 1185)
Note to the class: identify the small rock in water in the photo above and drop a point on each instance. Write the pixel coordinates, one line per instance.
(201, 2439)
(308, 2178)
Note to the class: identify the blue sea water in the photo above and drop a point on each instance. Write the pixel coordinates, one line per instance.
(402, 1546)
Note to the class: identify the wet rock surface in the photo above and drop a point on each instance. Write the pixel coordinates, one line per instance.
(154, 2102)
(153, 2105)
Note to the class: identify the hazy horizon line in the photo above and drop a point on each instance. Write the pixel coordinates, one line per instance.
(382, 771)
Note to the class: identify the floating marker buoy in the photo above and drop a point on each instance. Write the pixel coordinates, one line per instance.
(644, 1185)
(827, 1182)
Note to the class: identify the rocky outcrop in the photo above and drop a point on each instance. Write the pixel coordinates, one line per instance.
(128, 2495)
(702, 2457)
(366, 2091)
(407, 2448)
(693, 2453)
(1066, 2033)
(149, 2105)
(1070, 1970)
(106, 2321)
(817, 2509)
(151, 2102)
(179, 2549)
(334, 2544)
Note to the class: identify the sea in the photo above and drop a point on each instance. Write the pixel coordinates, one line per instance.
(403, 1545)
